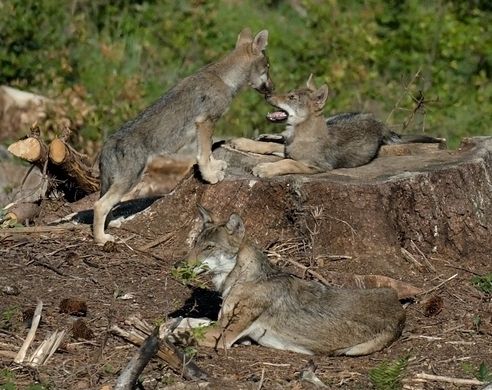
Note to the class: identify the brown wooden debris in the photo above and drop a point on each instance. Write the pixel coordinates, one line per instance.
(167, 351)
(74, 165)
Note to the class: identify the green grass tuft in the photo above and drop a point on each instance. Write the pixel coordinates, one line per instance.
(483, 283)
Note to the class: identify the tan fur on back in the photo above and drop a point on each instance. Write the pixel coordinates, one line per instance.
(282, 311)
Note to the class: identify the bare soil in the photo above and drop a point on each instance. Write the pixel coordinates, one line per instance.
(125, 280)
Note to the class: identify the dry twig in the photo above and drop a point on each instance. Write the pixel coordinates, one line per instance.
(21, 355)
(438, 286)
(448, 379)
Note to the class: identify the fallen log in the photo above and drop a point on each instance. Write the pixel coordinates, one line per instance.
(167, 351)
(72, 166)
(31, 149)
(22, 212)
(129, 376)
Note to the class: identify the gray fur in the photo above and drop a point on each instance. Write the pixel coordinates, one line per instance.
(180, 123)
(279, 310)
(165, 127)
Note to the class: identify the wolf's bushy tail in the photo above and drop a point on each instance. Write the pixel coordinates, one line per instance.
(392, 138)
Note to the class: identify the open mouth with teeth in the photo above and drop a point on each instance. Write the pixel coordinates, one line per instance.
(277, 116)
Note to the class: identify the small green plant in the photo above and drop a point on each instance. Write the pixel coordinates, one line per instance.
(190, 352)
(199, 332)
(388, 375)
(108, 369)
(7, 380)
(483, 283)
(185, 273)
(7, 317)
(477, 321)
(36, 386)
(482, 373)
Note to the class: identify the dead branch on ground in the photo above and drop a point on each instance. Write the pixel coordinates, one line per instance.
(167, 351)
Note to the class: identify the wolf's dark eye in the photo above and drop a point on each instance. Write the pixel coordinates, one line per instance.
(291, 96)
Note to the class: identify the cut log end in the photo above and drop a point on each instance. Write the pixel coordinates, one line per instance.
(58, 151)
(30, 149)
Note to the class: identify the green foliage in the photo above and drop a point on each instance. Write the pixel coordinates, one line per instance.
(199, 332)
(7, 382)
(125, 54)
(483, 283)
(388, 375)
(482, 373)
(185, 273)
(8, 317)
(190, 352)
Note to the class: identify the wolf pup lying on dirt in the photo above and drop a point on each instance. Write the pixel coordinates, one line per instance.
(314, 144)
(180, 123)
(282, 311)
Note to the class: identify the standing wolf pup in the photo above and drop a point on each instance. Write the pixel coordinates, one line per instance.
(315, 144)
(180, 123)
(282, 311)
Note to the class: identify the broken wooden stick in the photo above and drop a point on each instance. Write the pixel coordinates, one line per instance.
(448, 379)
(438, 286)
(47, 348)
(129, 376)
(411, 259)
(43, 229)
(31, 334)
(167, 351)
(23, 212)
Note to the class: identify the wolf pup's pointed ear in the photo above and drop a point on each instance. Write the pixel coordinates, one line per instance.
(260, 42)
(245, 36)
(320, 96)
(310, 83)
(205, 215)
(235, 225)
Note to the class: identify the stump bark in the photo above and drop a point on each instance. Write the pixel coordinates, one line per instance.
(439, 202)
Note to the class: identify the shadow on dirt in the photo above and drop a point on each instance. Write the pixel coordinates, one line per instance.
(122, 210)
(201, 303)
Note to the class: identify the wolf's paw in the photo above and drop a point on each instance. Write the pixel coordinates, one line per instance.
(190, 323)
(214, 171)
(239, 143)
(263, 170)
(187, 330)
(104, 238)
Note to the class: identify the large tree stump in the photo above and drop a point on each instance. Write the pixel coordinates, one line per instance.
(439, 202)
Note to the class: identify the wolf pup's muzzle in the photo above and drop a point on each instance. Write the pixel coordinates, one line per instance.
(266, 88)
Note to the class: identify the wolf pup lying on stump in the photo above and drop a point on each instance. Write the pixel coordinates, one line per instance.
(282, 311)
(180, 124)
(314, 144)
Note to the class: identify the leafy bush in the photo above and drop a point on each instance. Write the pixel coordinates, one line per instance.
(125, 54)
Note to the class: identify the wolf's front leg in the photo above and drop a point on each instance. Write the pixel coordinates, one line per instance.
(261, 147)
(239, 311)
(212, 170)
(283, 167)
